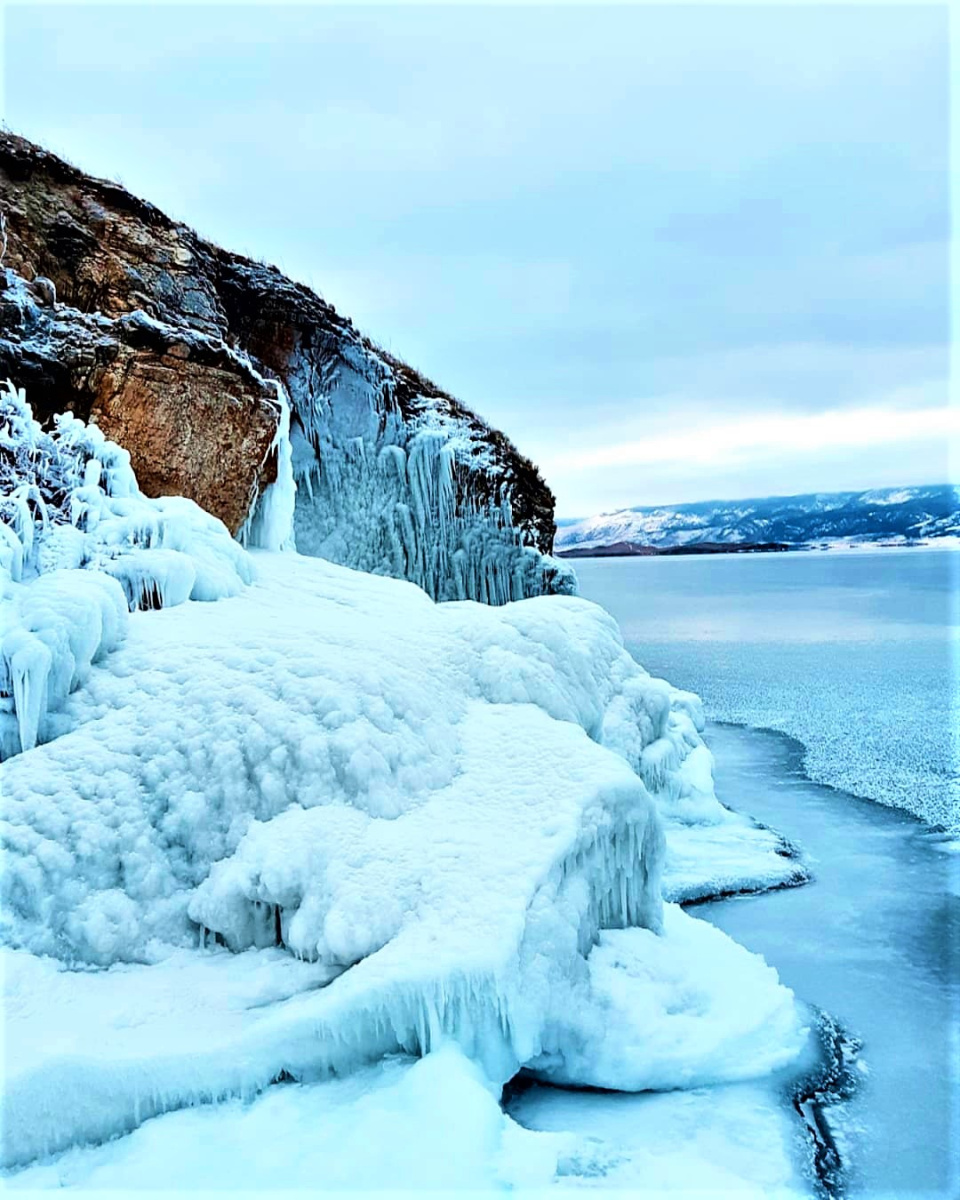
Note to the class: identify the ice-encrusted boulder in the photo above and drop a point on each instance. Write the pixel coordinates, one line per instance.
(396, 476)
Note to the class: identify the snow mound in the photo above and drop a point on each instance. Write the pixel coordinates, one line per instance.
(686, 1009)
(375, 704)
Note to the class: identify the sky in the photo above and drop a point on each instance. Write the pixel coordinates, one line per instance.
(675, 253)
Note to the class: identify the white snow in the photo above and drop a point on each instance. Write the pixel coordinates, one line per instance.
(421, 1125)
(434, 1126)
(327, 820)
(683, 1009)
(71, 501)
(94, 1054)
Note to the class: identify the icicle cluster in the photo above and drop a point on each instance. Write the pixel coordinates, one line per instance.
(80, 545)
(400, 499)
(269, 525)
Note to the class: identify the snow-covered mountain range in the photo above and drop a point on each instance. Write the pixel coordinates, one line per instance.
(884, 514)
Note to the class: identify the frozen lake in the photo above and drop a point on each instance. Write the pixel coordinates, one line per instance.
(873, 940)
(854, 654)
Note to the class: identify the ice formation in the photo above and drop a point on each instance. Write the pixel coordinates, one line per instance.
(685, 1009)
(421, 817)
(434, 1126)
(433, 1123)
(420, 499)
(79, 546)
(269, 525)
(436, 804)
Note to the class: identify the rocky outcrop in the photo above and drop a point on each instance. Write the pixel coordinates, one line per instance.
(171, 344)
(197, 419)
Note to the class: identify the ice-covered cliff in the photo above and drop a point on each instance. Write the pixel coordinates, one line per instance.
(174, 346)
(265, 819)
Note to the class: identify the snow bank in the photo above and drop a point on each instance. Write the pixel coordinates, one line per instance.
(94, 1054)
(414, 796)
(431, 1123)
(375, 703)
(434, 1125)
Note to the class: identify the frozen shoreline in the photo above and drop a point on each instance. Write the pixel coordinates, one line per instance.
(870, 940)
(875, 956)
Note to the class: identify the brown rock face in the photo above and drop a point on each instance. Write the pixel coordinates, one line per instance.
(198, 417)
(197, 421)
(162, 401)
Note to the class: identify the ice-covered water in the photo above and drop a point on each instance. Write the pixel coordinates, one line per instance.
(874, 941)
(854, 654)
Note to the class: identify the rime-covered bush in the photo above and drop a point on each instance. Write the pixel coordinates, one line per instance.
(79, 546)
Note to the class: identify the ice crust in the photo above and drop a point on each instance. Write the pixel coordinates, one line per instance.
(434, 1126)
(423, 1125)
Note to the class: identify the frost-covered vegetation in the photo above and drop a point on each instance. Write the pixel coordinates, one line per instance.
(326, 820)
(79, 546)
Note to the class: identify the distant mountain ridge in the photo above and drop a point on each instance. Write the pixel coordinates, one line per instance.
(878, 515)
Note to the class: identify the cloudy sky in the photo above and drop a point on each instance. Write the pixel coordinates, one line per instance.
(676, 253)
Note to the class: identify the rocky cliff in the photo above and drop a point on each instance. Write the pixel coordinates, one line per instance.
(187, 355)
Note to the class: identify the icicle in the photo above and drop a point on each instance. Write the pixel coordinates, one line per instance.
(269, 525)
(28, 663)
